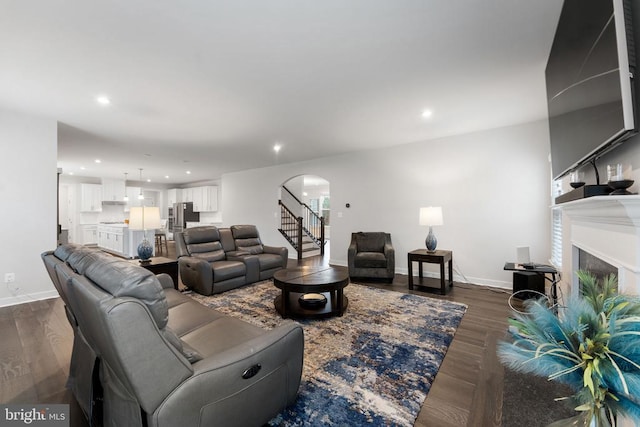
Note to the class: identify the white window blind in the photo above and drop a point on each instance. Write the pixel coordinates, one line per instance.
(556, 227)
(556, 238)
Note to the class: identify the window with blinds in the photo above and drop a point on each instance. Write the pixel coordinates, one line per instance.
(556, 238)
(556, 228)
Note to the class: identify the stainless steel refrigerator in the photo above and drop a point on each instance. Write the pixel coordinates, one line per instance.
(179, 215)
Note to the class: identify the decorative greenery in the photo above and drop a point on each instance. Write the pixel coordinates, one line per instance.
(592, 345)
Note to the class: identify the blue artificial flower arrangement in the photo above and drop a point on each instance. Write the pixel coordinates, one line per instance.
(592, 345)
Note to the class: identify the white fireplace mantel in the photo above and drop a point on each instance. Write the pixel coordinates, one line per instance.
(616, 210)
(607, 227)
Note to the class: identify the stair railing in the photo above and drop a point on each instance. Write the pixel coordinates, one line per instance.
(293, 226)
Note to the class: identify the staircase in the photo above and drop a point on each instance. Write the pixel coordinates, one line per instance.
(304, 231)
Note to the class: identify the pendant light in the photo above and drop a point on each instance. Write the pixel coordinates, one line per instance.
(140, 196)
(126, 197)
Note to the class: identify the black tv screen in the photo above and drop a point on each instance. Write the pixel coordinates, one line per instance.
(589, 81)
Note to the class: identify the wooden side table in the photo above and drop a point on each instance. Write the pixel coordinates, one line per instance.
(159, 265)
(436, 257)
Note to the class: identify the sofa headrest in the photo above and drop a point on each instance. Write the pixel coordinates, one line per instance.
(247, 238)
(62, 252)
(204, 234)
(122, 279)
(370, 241)
(244, 231)
(83, 257)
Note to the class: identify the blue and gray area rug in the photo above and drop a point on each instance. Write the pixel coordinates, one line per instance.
(375, 365)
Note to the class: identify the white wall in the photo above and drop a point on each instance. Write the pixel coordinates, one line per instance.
(28, 192)
(493, 187)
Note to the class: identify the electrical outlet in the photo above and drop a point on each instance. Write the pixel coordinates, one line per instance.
(9, 277)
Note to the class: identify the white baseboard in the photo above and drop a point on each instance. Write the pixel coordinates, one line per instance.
(24, 298)
(436, 275)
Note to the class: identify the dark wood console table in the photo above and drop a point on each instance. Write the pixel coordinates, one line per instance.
(436, 257)
(158, 264)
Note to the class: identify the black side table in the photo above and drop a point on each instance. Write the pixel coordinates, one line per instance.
(158, 264)
(436, 257)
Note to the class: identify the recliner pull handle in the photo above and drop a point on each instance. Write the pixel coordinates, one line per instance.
(252, 371)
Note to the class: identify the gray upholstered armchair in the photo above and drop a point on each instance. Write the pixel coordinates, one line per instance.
(371, 255)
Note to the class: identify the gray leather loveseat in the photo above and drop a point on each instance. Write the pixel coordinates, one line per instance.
(160, 357)
(213, 260)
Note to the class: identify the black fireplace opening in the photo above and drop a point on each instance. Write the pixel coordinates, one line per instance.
(594, 265)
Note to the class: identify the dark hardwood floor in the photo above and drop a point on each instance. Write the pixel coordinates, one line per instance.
(36, 347)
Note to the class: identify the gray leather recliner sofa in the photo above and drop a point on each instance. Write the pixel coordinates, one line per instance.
(163, 358)
(213, 260)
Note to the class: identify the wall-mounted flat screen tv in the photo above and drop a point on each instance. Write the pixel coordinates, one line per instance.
(589, 78)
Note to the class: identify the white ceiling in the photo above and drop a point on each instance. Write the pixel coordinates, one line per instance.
(209, 86)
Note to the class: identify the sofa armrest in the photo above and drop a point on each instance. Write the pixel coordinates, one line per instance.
(352, 250)
(390, 255)
(251, 262)
(278, 250)
(165, 281)
(197, 274)
(217, 393)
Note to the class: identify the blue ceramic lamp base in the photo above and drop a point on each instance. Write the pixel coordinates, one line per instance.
(145, 250)
(431, 241)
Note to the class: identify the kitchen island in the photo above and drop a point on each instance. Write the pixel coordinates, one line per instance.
(118, 239)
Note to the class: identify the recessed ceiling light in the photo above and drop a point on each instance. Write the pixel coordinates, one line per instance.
(166, 176)
(70, 173)
(148, 179)
(188, 172)
(277, 147)
(98, 161)
(82, 168)
(103, 100)
(426, 114)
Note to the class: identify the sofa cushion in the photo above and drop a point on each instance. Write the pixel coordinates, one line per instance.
(62, 252)
(209, 251)
(225, 270)
(122, 279)
(201, 235)
(370, 241)
(185, 349)
(244, 231)
(83, 257)
(370, 260)
(251, 245)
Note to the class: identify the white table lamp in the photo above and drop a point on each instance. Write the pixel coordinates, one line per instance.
(144, 218)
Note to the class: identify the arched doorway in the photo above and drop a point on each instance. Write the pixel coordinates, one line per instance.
(305, 205)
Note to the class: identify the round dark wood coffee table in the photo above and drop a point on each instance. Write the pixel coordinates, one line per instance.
(296, 282)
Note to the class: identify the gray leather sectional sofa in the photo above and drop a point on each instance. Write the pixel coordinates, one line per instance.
(213, 260)
(161, 358)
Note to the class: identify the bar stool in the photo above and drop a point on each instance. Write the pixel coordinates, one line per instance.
(161, 236)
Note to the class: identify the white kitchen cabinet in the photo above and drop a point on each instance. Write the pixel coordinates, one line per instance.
(111, 238)
(205, 199)
(90, 198)
(174, 195)
(120, 240)
(113, 190)
(187, 194)
(196, 198)
(89, 234)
